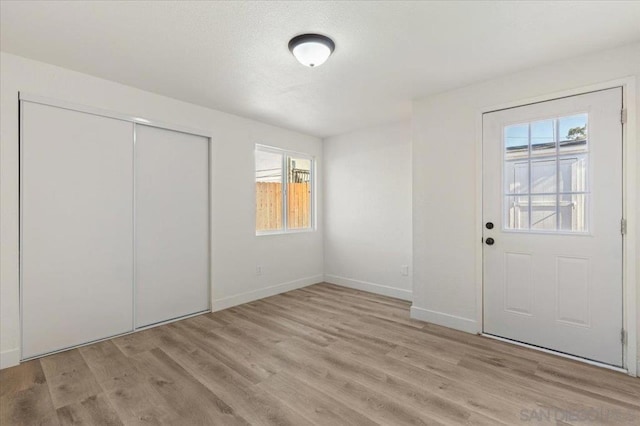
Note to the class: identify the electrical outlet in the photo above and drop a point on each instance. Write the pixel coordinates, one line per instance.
(404, 270)
(258, 270)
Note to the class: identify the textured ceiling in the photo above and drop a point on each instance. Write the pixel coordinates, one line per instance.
(233, 56)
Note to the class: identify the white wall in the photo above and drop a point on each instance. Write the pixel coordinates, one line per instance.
(445, 134)
(368, 209)
(288, 261)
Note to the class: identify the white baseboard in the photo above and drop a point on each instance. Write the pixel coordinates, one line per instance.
(383, 290)
(445, 320)
(250, 296)
(9, 358)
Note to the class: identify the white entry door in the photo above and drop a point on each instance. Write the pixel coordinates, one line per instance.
(552, 211)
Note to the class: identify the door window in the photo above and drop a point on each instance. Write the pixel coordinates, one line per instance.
(545, 175)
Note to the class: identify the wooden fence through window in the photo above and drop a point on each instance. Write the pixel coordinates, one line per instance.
(269, 206)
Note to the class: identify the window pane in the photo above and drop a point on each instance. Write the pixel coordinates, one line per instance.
(573, 212)
(543, 212)
(543, 176)
(516, 141)
(572, 132)
(516, 212)
(546, 166)
(516, 177)
(268, 191)
(298, 193)
(573, 173)
(543, 141)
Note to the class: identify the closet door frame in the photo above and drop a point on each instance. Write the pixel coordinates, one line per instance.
(36, 99)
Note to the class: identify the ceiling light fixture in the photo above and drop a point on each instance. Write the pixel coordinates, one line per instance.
(311, 50)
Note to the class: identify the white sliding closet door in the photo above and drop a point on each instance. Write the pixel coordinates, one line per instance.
(77, 228)
(172, 224)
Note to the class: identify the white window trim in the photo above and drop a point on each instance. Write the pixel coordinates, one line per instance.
(312, 180)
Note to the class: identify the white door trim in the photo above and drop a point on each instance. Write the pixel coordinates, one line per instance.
(59, 103)
(631, 363)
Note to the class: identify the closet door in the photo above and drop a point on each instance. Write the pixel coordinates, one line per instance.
(76, 228)
(172, 224)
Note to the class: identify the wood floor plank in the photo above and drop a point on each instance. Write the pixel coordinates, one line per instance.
(256, 405)
(140, 405)
(189, 400)
(362, 295)
(238, 357)
(320, 408)
(131, 398)
(365, 306)
(418, 397)
(93, 410)
(360, 299)
(208, 321)
(22, 377)
(69, 378)
(283, 326)
(592, 380)
(322, 354)
(305, 309)
(529, 388)
(25, 398)
(253, 344)
(376, 405)
(338, 328)
(110, 366)
(436, 380)
(507, 384)
(138, 342)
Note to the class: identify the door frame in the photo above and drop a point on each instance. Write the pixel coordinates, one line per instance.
(631, 364)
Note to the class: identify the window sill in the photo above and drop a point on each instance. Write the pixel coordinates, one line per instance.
(285, 232)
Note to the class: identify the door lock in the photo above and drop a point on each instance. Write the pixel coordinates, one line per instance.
(489, 225)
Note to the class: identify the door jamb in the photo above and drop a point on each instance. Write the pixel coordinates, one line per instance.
(630, 189)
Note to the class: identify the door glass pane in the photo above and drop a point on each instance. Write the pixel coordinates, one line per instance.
(543, 212)
(516, 177)
(298, 193)
(543, 176)
(543, 138)
(573, 173)
(268, 191)
(572, 131)
(573, 212)
(516, 212)
(516, 141)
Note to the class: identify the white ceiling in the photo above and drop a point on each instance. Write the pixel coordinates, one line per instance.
(233, 56)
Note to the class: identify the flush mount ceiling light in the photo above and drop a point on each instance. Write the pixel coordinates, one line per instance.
(311, 50)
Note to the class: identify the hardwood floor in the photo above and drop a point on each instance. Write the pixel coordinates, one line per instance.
(318, 355)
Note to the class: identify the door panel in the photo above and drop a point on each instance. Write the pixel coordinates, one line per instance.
(172, 224)
(552, 184)
(518, 282)
(77, 228)
(572, 296)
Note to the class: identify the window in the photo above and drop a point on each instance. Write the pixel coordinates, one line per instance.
(545, 175)
(284, 191)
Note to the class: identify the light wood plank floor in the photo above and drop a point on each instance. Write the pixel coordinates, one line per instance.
(318, 355)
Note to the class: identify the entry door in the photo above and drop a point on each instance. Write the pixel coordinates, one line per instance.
(552, 210)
